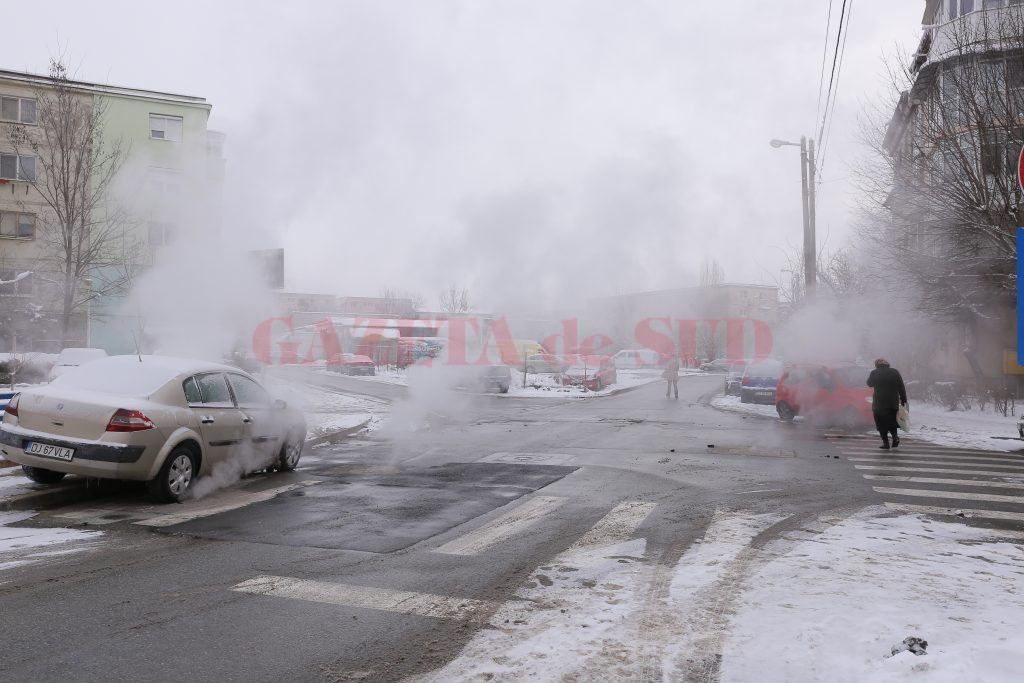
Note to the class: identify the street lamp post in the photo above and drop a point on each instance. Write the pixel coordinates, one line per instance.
(808, 174)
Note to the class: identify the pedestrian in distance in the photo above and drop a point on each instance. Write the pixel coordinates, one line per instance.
(671, 375)
(890, 394)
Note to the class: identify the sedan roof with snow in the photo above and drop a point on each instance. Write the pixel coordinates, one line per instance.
(133, 375)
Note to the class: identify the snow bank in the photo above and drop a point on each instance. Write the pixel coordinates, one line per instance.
(831, 607)
(929, 422)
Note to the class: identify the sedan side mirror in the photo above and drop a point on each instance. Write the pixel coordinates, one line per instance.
(279, 404)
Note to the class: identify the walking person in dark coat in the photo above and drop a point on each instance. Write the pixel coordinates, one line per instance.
(890, 394)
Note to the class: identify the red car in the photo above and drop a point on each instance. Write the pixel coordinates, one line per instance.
(591, 372)
(352, 364)
(835, 394)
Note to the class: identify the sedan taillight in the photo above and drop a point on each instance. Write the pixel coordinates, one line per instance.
(129, 421)
(12, 405)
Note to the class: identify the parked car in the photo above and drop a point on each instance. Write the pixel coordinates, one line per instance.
(72, 358)
(591, 372)
(493, 378)
(5, 398)
(545, 363)
(759, 381)
(637, 359)
(733, 379)
(832, 394)
(162, 420)
(352, 364)
(720, 365)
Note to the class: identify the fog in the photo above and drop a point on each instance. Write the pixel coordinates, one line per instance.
(597, 147)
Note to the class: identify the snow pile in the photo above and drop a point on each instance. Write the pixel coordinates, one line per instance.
(733, 403)
(326, 411)
(831, 607)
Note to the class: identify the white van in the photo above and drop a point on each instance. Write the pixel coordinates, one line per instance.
(637, 359)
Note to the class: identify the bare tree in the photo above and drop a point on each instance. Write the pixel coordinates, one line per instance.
(454, 299)
(711, 301)
(942, 188)
(84, 232)
(400, 303)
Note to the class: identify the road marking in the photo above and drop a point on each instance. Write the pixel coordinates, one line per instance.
(982, 514)
(743, 493)
(939, 459)
(222, 502)
(933, 453)
(494, 532)
(531, 458)
(365, 597)
(942, 470)
(957, 495)
(617, 526)
(950, 482)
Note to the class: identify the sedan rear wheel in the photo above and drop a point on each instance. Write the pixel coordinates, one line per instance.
(42, 476)
(174, 482)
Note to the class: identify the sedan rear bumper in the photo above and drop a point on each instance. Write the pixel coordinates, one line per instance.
(90, 459)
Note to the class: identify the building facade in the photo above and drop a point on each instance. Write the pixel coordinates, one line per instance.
(168, 188)
(954, 141)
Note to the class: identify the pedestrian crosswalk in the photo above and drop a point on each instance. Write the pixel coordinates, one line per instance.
(927, 478)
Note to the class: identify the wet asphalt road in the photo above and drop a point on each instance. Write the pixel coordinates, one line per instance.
(156, 602)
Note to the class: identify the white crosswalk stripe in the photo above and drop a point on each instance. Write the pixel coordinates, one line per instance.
(943, 470)
(513, 522)
(618, 525)
(947, 476)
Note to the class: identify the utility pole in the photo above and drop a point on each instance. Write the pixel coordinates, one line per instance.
(808, 179)
(810, 228)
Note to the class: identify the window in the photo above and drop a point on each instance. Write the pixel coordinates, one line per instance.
(14, 224)
(15, 283)
(165, 127)
(14, 167)
(214, 390)
(163, 183)
(162, 234)
(992, 4)
(248, 392)
(18, 109)
(192, 393)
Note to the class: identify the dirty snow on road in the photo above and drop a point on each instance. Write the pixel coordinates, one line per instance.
(826, 600)
(26, 545)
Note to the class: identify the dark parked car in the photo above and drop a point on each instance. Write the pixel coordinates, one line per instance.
(759, 382)
(733, 378)
(493, 378)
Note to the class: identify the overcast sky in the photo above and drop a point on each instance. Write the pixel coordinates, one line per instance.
(537, 151)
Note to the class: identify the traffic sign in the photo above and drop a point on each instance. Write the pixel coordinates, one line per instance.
(1020, 293)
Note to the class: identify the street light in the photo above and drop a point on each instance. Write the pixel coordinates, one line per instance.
(808, 171)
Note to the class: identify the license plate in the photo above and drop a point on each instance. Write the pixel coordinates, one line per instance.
(48, 451)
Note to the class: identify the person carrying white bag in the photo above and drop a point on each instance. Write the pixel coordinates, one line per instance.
(889, 399)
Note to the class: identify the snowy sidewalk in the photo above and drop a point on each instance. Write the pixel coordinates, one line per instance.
(929, 422)
(826, 600)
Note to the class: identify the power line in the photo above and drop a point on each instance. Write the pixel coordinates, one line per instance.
(824, 57)
(835, 95)
(832, 78)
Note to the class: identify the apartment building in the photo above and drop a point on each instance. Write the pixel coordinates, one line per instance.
(168, 189)
(954, 141)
